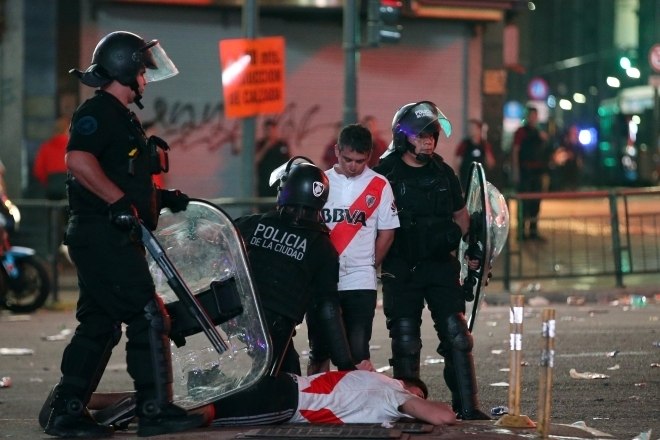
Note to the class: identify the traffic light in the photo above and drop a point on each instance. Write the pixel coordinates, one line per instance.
(383, 22)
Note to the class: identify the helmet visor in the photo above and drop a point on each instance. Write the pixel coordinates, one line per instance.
(283, 169)
(158, 64)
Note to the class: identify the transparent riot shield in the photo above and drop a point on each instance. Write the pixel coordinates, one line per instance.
(219, 340)
(489, 228)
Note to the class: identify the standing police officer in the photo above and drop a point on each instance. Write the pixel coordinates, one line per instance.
(110, 164)
(295, 266)
(421, 264)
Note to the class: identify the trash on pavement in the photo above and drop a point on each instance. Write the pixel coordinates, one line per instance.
(614, 367)
(612, 353)
(500, 410)
(61, 336)
(16, 351)
(655, 365)
(576, 300)
(587, 375)
(5, 382)
(497, 351)
(500, 384)
(644, 435)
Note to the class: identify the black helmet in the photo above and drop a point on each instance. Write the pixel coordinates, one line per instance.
(415, 118)
(120, 56)
(302, 184)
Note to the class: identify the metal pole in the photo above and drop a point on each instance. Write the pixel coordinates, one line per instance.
(547, 365)
(250, 17)
(351, 59)
(616, 240)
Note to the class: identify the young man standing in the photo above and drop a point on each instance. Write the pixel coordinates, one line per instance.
(362, 217)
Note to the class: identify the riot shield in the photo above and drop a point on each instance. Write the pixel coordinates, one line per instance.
(220, 344)
(489, 227)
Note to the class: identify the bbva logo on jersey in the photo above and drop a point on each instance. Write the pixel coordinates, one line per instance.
(338, 215)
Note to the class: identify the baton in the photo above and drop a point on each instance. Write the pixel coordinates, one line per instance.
(182, 291)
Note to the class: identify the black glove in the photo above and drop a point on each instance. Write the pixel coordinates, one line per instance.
(173, 199)
(124, 216)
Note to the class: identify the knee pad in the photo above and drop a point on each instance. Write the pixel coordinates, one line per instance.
(460, 337)
(406, 336)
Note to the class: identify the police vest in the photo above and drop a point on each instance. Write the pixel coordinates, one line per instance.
(424, 199)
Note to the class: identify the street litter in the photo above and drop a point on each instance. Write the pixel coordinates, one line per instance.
(640, 384)
(644, 435)
(500, 384)
(612, 353)
(587, 375)
(576, 300)
(538, 301)
(16, 351)
(655, 365)
(5, 382)
(497, 351)
(497, 411)
(614, 367)
(61, 336)
(432, 361)
(17, 318)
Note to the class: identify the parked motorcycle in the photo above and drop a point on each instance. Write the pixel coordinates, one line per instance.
(24, 280)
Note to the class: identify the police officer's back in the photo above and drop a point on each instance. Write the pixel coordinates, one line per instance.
(294, 264)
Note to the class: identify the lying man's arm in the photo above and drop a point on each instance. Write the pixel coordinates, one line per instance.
(435, 413)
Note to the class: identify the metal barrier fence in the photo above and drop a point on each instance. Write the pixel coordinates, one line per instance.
(598, 233)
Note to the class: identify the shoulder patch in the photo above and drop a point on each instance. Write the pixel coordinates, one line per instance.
(86, 125)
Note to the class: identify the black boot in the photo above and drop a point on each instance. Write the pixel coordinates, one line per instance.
(157, 419)
(70, 419)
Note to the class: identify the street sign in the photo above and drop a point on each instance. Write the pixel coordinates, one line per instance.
(538, 88)
(654, 57)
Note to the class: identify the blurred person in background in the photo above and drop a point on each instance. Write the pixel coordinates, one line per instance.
(380, 145)
(49, 168)
(270, 152)
(474, 148)
(567, 161)
(530, 168)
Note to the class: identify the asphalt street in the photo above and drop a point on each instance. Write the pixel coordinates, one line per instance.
(612, 346)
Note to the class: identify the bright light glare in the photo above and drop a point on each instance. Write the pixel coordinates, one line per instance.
(625, 63)
(636, 119)
(633, 72)
(565, 104)
(234, 70)
(579, 98)
(552, 101)
(585, 137)
(613, 81)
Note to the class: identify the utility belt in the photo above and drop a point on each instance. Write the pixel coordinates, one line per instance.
(426, 238)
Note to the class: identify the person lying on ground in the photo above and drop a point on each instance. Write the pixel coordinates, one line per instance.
(333, 397)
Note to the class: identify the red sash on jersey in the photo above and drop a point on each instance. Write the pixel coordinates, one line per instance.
(342, 234)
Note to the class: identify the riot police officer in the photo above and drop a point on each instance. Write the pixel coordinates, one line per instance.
(295, 266)
(110, 189)
(421, 265)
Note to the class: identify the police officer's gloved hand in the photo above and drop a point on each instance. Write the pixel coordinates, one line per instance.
(124, 216)
(173, 199)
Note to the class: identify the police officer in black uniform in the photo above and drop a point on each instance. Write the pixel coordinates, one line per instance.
(295, 266)
(110, 190)
(421, 265)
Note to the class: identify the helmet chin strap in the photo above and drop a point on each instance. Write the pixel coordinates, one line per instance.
(138, 97)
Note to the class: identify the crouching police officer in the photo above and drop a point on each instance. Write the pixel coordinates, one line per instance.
(295, 266)
(421, 264)
(110, 165)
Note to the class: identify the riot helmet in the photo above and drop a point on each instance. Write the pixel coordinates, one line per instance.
(301, 184)
(416, 118)
(120, 56)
